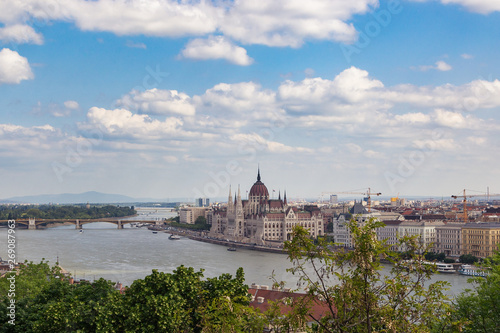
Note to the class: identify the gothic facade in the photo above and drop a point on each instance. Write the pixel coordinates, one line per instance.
(262, 220)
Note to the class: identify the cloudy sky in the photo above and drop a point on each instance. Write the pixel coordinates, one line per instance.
(165, 99)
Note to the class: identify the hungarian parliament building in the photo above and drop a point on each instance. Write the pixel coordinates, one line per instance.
(261, 220)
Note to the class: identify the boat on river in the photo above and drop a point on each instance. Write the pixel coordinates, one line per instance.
(231, 249)
(445, 268)
(174, 237)
(470, 270)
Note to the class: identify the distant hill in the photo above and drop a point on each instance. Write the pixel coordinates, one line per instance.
(69, 198)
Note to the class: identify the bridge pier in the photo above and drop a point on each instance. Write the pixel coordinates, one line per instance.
(31, 225)
(120, 225)
(77, 224)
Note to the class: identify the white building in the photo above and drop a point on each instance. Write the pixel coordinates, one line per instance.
(425, 231)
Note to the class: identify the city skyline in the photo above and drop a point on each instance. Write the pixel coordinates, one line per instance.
(182, 99)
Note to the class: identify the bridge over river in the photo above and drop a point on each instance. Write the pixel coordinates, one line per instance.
(33, 223)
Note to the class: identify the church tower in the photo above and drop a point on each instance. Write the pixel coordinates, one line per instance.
(230, 206)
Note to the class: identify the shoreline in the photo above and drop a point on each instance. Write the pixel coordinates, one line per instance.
(228, 244)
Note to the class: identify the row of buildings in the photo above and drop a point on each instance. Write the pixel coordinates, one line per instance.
(264, 221)
(434, 232)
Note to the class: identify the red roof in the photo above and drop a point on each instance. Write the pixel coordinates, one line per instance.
(318, 309)
(275, 215)
(259, 190)
(275, 204)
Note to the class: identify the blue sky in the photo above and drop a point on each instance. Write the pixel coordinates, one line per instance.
(160, 98)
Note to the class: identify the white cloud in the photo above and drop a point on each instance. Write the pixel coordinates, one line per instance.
(22, 144)
(290, 22)
(258, 143)
(413, 118)
(445, 144)
(467, 56)
(20, 34)
(480, 141)
(165, 18)
(351, 89)
(72, 105)
(442, 66)
(14, 68)
(216, 47)
(124, 122)
(151, 18)
(479, 6)
(354, 148)
(10, 129)
(439, 65)
(373, 154)
(245, 98)
(276, 23)
(457, 120)
(156, 101)
(170, 159)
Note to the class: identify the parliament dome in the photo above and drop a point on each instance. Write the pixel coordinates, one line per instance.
(259, 189)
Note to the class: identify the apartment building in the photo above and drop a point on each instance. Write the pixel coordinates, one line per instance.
(449, 239)
(190, 214)
(480, 239)
(425, 231)
(389, 233)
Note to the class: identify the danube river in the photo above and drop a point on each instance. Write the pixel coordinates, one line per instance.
(102, 250)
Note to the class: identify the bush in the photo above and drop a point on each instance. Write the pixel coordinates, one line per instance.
(468, 259)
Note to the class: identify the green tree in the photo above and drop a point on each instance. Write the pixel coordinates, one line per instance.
(46, 302)
(358, 297)
(468, 259)
(478, 310)
(183, 302)
(201, 222)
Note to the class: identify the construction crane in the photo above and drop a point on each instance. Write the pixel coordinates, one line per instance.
(368, 193)
(465, 216)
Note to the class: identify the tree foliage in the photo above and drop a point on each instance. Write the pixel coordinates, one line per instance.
(63, 211)
(46, 302)
(478, 310)
(359, 297)
(181, 301)
(432, 256)
(468, 259)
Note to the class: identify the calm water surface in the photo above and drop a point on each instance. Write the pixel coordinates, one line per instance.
(132, 253)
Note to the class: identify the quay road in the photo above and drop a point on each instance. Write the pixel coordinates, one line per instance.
(33, 224)
(203, 237)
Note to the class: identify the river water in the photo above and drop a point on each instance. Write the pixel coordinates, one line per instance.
(128, 254)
